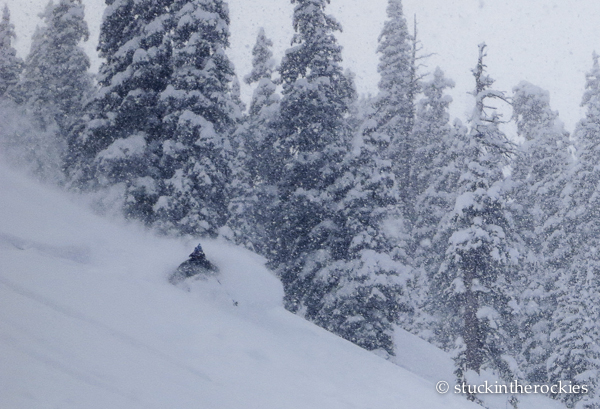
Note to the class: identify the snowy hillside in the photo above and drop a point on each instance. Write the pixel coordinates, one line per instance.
(88, 320)
(433, 364)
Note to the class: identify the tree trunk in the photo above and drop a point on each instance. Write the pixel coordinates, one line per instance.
(472, 327)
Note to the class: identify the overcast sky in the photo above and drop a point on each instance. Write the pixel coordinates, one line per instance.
(546, 42)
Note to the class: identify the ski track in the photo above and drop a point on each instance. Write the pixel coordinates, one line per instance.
(80, 255)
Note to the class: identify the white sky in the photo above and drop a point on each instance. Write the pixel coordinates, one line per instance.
(547, 42)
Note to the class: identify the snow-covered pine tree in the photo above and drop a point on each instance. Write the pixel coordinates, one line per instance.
(250, 193)
(263, 111)
(539, 168)
(55, 82)
(28, 148)
(236, 94)
(10, 65)
(118, 145)
(540, 174)
(431, 253)
(576, 338)
(432, 129)
(435, 178)
(372, 285)
(395, 104)
(475, 281)
(263, 66)
(199, 117)
(312, 139)
(575, 357)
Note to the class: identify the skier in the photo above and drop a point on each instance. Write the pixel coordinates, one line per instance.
(196, 264)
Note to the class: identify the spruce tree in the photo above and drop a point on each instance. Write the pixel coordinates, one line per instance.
(56, 82)
(118, 145)
(540, 175)
(395, 104)
(539, 166)
(263, 65)
(28, 148)
(576, 355)
(311, 141)
(478, 274)
(10, 65)
(372, 285)
(432, 130)
(236, 94)
(251, 193)
(435, 179)
(434, 212)
(199, 116)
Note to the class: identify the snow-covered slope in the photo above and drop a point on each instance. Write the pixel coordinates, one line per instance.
(434, 365)
(88, 320)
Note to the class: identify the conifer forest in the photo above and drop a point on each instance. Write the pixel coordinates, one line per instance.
(375, 212)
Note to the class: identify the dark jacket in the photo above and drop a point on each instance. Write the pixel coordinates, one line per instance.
(196, 264)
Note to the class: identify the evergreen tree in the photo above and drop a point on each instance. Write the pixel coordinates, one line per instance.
(432, 130)
(10, 65)
(28, 148)
(263, 64)
(395, 105)
(438, 146)
(250, 191)
(540, 164)
(576, 355)
(540, 171)
(477, 276)
(437, 205)
(372, 286)
(309, 147)
(199, 116)
(119, 144)
(56, 81)
(236, 94)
